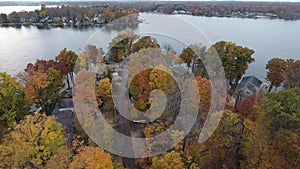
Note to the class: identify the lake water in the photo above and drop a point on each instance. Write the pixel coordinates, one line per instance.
(269, 38)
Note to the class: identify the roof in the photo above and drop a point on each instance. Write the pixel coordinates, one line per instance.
(250, 82)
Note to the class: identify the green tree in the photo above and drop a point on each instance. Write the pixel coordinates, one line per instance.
(13, 104)
(283, 109)
(235, 61)
(3, 18)
(38, 139)
(275, 69)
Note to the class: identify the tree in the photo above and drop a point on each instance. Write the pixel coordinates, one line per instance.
(104, 87)
(161, 78)
(247, 107)
(91, 158)
(286, 146)
(189, 56)
(283, 109)
(43, 82)
(43, 66)
(67, 60)
(118, 47)
(220, 149)
(42, 89)
(255, 143)
(140, 89)
(205, 93)
(94, 54)
(154, 129)
(14, 17)
(235, 61)
(3, 18)
(38, 139)
(171, 160)
(13, 104)
(43, 14)
(292, 74)
(144, 43)
(275, 68)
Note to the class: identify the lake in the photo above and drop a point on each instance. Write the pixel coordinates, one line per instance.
(268, 38)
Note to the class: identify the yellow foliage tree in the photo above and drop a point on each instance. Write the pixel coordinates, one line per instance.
(171, 160)
(91, 158)
(104, 87)
(38, 140)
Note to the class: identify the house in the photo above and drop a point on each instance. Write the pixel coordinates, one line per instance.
(248, 85)
(98, 20)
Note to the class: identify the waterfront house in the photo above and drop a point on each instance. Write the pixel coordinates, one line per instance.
(248, 85)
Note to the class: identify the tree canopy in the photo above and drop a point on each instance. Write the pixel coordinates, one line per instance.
(235, 60)
(38, 139)
(13, 104)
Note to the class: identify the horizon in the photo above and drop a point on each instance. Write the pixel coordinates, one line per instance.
(150, 0)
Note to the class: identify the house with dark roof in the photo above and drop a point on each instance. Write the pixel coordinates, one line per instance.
(248, 85)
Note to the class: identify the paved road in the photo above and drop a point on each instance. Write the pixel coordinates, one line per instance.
(123, 106)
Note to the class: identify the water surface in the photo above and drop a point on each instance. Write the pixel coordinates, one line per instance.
(269, 38)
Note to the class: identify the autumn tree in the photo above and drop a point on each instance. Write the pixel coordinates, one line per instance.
(140, 89)
(204, 86)
(292, 74)
(255, 143)
(94, 54)
(67, 59)
(38, 140)
(119, 46)
(285, 146)
(91, 158)
(189, 56)
(161, 78)
(220, 149)
(275, 69)
(42, 89)
(14, 17)
(235, 61)
(283, 109)
(13, 104)
(170, 160)
(43, 82)
(247, 107)
(42, 14)
(104, 87)
(122, 45)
